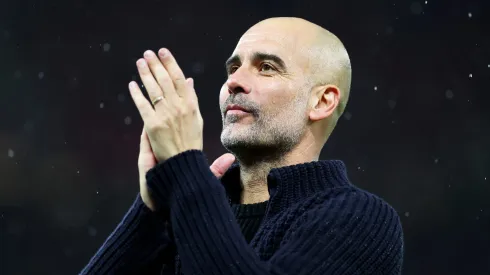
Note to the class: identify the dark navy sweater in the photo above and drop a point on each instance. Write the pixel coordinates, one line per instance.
(316, 222)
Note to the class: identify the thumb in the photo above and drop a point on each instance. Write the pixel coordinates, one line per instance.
(190, 82)
(222, 164)
(145, 141)
(192, 92)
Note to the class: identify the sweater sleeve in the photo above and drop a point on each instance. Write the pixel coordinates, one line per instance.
(138, 240)
(365, 239)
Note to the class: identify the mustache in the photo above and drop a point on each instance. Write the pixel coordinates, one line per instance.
(249, 106)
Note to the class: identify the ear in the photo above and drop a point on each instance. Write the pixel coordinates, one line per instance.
(324, 102)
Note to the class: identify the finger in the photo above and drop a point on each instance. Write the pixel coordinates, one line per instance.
(190, 82)
(149, 81)
(159, 72)
(144, 107)
(145, 141)
(192, 93)
(222, 164)
(174, 71)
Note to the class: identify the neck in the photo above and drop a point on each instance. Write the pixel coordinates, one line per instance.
(253, 174)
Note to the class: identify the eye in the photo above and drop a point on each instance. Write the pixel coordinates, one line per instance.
(232, 69)
(266, 67)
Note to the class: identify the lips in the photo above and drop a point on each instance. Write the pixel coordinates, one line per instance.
(236, 107)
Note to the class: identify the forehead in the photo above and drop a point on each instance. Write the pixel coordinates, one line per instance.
(269, 37)
(281, 44)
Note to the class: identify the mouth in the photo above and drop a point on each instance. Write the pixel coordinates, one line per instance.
(235, 109)
(236, 112)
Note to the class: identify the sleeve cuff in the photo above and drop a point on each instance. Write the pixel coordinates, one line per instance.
(180, 176)
(137, 239)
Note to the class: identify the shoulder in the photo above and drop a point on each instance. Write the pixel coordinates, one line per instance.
(353, 210)
(352, 201)
(348, 230)
(354, 221)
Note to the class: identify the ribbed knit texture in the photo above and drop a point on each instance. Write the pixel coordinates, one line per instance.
(249, 217)
(316, 222)
(139, 239)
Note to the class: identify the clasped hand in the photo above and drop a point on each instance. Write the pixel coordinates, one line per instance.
(174, 124)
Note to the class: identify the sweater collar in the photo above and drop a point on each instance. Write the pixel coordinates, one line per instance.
(290, 184)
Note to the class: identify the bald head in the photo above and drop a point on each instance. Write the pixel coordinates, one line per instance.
(284, 71)
(323, 55)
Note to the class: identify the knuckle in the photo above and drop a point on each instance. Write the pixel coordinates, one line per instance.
(178, 111)
(179, 78)
(166, 80)
(191, 105)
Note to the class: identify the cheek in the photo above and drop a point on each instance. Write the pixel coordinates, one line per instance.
(223, 94)
(278, 96)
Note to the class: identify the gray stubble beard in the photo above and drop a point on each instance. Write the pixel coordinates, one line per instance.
(266, 140)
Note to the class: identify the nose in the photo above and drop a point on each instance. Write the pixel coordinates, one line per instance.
(237, 83)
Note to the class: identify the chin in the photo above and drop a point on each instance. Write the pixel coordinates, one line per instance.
(232, 137)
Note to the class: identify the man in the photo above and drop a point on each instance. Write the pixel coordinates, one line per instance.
(279, 210)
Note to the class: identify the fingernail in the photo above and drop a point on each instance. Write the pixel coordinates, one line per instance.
(162, 52)
(191, 82)
(141, 63)
(148, 54)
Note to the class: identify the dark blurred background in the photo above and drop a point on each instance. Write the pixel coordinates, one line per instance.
(416, 130)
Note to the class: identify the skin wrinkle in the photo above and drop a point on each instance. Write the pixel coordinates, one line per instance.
(292, 112)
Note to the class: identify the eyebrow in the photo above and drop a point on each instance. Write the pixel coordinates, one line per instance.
(257, 56)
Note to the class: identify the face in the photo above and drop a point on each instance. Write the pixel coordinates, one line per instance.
(267, 77)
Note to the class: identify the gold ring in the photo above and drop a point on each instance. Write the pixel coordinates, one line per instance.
(156, 100)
